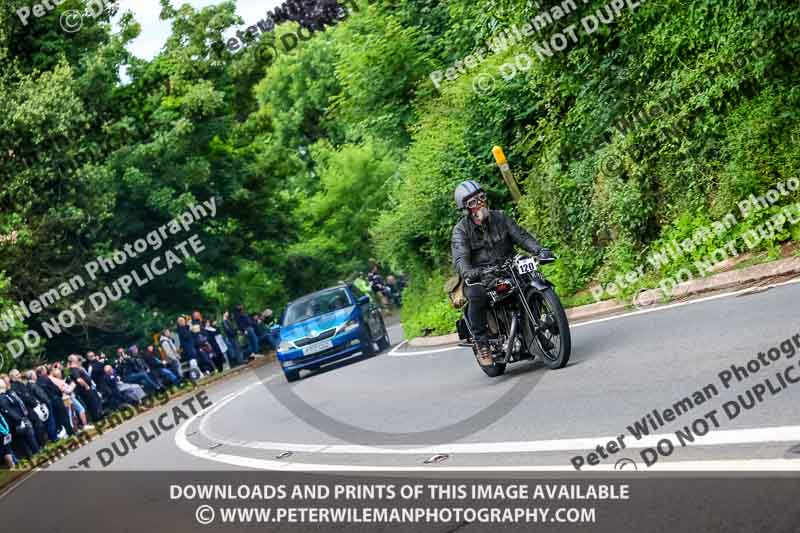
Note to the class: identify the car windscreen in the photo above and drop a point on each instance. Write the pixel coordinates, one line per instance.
(315, 305)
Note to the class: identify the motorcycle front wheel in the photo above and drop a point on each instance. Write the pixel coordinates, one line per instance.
(552, 340)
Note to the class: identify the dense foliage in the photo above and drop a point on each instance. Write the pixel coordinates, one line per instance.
(342, 148)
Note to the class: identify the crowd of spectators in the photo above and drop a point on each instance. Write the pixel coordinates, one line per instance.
(388, 292)
(59, 399)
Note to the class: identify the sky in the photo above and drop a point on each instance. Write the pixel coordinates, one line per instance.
(155, 31)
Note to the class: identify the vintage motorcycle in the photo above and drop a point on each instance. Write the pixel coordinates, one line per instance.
(525, 316)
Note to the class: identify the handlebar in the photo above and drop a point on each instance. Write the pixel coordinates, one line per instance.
(509, 263)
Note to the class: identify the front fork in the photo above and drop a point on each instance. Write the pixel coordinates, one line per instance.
(508, 349)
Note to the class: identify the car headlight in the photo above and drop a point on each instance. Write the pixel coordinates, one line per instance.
(347, 327)
(285, 346)
(288, 363)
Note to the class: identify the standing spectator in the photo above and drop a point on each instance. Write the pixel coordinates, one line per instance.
(5, 443)
(187, 340)
(205, 351)
(217, 344)
(245, 324)
(157, 367)
(33, 405)
(264, 323)
(232, 339)
(171, 352)
(196, 327)
(83, 390)
(361, 284)
(190, 344)
(378, 286)
(202, 345)
(94, 367)
(259, 329)
(74, 407)
(14, 411)
(51, 424)
(57, 408)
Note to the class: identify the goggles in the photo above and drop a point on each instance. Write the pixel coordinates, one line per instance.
(475, 200)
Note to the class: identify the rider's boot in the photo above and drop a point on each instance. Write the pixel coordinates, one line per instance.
(484, 352)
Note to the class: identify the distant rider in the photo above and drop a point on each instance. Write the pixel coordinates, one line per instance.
(480, 239)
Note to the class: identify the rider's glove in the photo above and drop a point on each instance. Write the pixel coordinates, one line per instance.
(473, 274)
(544, 253)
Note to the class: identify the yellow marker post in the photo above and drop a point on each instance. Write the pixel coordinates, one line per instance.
(505, 170)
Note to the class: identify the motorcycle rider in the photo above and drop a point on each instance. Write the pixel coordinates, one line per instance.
(481, 238)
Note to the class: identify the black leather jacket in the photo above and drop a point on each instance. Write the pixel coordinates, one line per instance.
(12, 409)
(490, 243)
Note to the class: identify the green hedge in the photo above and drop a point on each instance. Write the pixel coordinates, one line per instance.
(426, 308)
(714, 86)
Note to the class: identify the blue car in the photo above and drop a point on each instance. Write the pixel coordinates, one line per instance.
(327, 326)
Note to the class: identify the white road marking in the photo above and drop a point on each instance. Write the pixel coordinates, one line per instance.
(267, 464)
(438, 350)
(745, 465)
(583, 445)
(615, 317)
(398, 347)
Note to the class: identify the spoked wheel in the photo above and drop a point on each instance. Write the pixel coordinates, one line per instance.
(493, 371)
(552, 340)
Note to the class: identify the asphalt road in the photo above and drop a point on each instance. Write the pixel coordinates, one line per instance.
(400, 408)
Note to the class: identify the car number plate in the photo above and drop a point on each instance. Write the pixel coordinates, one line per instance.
(317, 347)
(526, 266)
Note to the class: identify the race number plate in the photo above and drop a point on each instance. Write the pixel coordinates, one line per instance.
(317, 347)
(526, 266)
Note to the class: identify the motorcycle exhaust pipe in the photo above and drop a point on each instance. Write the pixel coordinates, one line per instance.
(512, 336)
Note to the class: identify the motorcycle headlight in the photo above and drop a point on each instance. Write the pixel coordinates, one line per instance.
(350, 325)
(285, 346)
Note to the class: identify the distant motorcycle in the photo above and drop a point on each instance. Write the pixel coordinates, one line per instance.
(525, 316)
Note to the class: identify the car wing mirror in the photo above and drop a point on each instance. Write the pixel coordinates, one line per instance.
(363, 300)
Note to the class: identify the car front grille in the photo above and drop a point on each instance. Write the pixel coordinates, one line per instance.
(305, 341)
(320, 355)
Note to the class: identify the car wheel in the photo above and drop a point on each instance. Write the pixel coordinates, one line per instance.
(366, 342)
(384, 343)
(292, 375)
